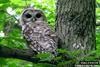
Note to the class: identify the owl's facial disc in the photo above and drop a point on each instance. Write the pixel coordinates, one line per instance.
(35, 16)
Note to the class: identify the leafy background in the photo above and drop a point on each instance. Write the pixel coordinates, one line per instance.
(10, 31)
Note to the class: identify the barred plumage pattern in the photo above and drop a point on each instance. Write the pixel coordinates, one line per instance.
(36, 31)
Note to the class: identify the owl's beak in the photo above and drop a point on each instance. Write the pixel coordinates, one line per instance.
(33, 18)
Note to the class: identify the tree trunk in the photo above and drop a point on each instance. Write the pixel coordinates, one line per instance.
(75, 25)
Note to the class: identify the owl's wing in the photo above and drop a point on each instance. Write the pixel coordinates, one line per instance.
(53, 35)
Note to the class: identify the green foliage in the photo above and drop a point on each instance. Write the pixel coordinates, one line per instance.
(45, 56)
(43, 65)
(62, 50)
(2, 62)
(4, 1)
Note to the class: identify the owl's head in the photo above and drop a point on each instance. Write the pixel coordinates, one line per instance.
(32, 15)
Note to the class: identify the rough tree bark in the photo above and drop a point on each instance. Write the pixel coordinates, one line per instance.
(75, 24)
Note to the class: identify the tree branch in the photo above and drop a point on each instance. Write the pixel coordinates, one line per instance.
(23, 54)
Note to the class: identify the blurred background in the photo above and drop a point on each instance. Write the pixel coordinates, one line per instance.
(10, 31)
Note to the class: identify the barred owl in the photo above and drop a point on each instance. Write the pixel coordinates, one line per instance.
(37, 32)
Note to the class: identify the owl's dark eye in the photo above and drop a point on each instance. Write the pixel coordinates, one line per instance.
(38, 15)
(28, 15)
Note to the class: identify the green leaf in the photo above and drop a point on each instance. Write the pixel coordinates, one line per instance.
(44, 56)
(2, 61)
(62, 50)
(58, 58)
(4, 1)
